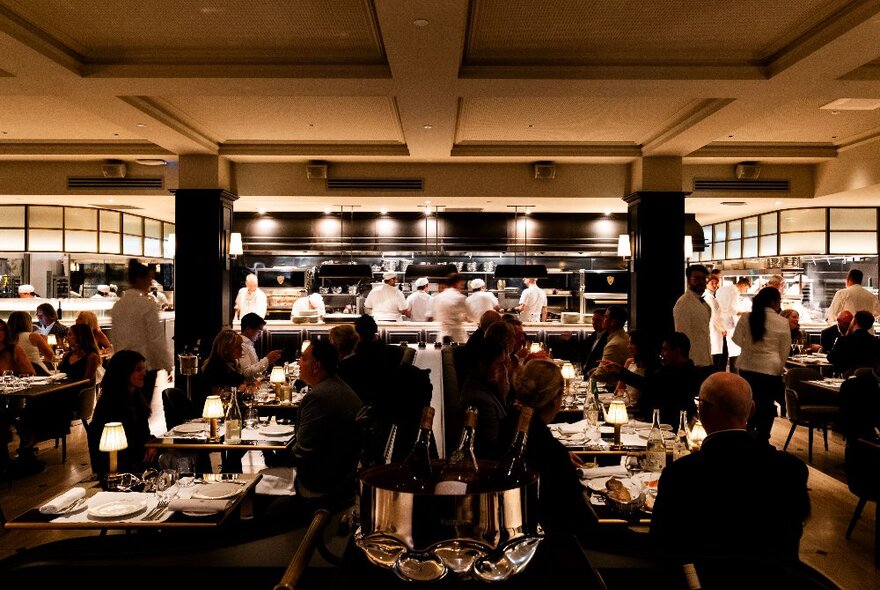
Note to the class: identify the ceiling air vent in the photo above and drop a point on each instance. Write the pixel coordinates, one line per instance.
(742, 185)
(79, 183)
(375, 184)
(463, 210)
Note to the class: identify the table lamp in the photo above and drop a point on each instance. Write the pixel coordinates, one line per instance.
(213, 410)
(52, 340)
(698, 435)
(567, 374)
(278, 378)
(617, 416)
(113, 440)
(535, 347)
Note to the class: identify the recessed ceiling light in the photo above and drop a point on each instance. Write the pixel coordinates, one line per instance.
(141, 124)
(261, 210)
(778, 203)
(110, 200)
(383, 211)
(427, 126)
(327, 210)
(835, 112)
(531, 125)
(607, 212)
(852, 104)
(733, 203)
(420, 22)
(151, 162)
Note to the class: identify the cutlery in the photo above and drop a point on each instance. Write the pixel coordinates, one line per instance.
(75, 506)
(160, 507)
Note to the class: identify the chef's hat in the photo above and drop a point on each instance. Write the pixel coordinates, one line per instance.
(477, 284)
(421, 282)
(26, 289)
(103, 288)
(387, 276)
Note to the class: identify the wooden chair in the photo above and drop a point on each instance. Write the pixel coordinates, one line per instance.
(862, 462)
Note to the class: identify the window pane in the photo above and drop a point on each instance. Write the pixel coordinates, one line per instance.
(734, 230)
(46, 217)
(132, 224)
(707, 233)
(12, 217)
(802, 243)
(720, 232)
(12, 239)
(109, 243)
(853, 242)
(801, 220)
(133, 245)
(718, 250)
(854, 219)
(750, 227)
(80, 218)
(153, 228)
(152, 247)
(750, 248)
(80, 241)
(168, 228)
(734, 249)
(768, 225)
(110, 220)
(45, 240)
(767, 246)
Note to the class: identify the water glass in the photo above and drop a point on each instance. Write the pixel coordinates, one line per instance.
(167, 484)
(251, 417)
(186, 470)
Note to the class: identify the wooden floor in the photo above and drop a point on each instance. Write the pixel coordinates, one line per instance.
(849, 563)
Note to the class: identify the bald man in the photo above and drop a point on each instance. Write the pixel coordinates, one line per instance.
(830, 334)
(745, 497)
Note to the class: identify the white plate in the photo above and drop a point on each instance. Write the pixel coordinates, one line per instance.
(597, 484)
(191, 427)
(188, 513)
(117, 508)
(277, 430)
(218, 491)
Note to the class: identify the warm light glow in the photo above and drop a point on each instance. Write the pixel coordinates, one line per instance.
(170, 244)
(568, 371)
(277, 375)
(235, 246)
(623, 248)
(698, 434)
(305, 345)
(113, 437)
(617, 413)
(213, 407)
(52, 340)
(535, 347)
(688, 246)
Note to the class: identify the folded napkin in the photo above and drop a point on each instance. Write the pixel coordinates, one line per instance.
(277, 481)
(595, 472)
(59, 503)
(197, 505)
(573, 428)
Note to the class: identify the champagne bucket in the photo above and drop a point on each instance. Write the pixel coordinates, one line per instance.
(490, 535)
(189, 364)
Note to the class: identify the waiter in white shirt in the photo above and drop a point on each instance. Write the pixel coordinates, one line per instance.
(418, 304)
(306, 302)
(532, 303)
(480, 300)
(692, 316)
(251, 299)
(386, 302)
(854, 298)
(450, 310)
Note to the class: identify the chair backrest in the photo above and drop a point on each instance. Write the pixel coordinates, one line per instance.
(792, 404)
(86, 404)
(796, 375)
(862, 465)
(178, 407)
(409, 355)
(858, 372)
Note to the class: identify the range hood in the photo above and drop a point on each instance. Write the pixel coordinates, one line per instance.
(431, 271)
(345, 271)
(520, 271)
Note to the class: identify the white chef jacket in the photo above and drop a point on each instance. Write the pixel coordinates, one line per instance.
(385, 303)
(732, 302)
(692, 316)
(716, 325)
(854, 298)
(479, 302)
(136, 326)
(533, 299)
(450, 309)
(255, 302)
(302, 304)
(419, 305)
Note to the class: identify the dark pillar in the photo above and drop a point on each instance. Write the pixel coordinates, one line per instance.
(202, 305)
(656, 230)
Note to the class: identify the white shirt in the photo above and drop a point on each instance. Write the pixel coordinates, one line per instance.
(250, 364)
(692, 316)
(419, 306)
(451, 311)
(479, 303)
(136, 326)
(769, 355)
(732, 303)
(716, 324)
(256, 302)
(533, 300)
(854, 298)
(303, 304)
(385, 303)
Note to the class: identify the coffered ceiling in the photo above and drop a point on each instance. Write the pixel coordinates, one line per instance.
(458, 90)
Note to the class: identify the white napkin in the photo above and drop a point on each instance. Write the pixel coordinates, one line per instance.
(277, 481)
(573, 428)
(59, 503)
(609, 471)
(197, 505)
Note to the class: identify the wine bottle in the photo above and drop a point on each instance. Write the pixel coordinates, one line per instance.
(655, 457)
(461, 470)
(232, 423)
(414, 474)
(511, 470)
(681, 446)
(591, 412)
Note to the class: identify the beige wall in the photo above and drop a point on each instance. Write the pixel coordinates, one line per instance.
(856, 169)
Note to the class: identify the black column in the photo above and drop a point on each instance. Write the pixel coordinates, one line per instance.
(656, 229)
(202, 304)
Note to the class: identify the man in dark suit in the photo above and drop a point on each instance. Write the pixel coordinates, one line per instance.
(859, 348)
(49, 324)
(744, 497)
(830, 334)
(595, 342)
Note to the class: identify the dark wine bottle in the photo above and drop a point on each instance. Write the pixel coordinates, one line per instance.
(511, 469)
(461, 469)
(414, 474)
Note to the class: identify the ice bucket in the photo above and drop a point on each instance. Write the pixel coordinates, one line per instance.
(423, 537)
(188, 364)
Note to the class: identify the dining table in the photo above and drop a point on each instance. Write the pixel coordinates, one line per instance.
(34, 387)
(831, 384)
(195, 436)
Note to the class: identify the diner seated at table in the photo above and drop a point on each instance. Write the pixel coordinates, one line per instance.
(82, 359)
(859, 348)
(616, 349)
(368, 371)
(799, 340)
(486, 389)
(645, 360)
(34, 344)
(122, 400)
(91, 320)
(860, 407)
(829, 335)
(220, 369)
(463, 356)
(12, 356)
(250, 364)
(344, 339)
(745, 498)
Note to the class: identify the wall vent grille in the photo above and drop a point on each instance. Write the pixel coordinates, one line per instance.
(79, 183)
(375, 184)
(742, 185)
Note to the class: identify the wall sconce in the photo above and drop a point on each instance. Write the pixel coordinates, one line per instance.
(113, 440)
(235, 246)
(688, 247)
(213, 411)
(623, 248)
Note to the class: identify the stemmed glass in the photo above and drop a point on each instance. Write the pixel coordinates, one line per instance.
(56, 359)
(167, 485)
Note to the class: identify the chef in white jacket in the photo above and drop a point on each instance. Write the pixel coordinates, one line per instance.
(386, 302)
(532, 303)
(418, 304)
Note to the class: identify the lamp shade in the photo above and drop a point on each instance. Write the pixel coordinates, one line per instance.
(213, 407)
(535, 347)
(113, 437)
(698, 434)
(235, 246)
(277, 375)
(568, 371)
(623, 248)
(52, 340)
(617, 413)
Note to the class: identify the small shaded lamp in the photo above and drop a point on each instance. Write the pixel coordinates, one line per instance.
(618, 417)
(112, 441)
(235, 246)
(568, 374)
(213, 410)
(698, 435)
(52, 340)
(278, 378)
(623, 247)
(535, 347)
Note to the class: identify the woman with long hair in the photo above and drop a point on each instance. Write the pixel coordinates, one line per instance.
(220, 369)
(644, 361)
(91, 320)
(765, 338)
(122, 400)
(34, 344)
(12, 357)
(82, 360)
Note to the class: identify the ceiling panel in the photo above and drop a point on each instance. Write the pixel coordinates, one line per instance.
(38, 118)
(565, 119)
(236, 31)
(293, 118)
(803, 121)
(623, 31)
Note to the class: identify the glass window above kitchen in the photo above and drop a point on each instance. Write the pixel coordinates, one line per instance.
(855, 218)
(48, 217)
(768, 224)
(802, 220)
(80, 218)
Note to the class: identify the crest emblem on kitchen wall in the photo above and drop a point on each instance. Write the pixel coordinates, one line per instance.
(610, 279)
(280, 279)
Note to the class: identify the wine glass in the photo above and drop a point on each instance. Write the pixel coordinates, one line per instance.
(167, 485)
(186, 468)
